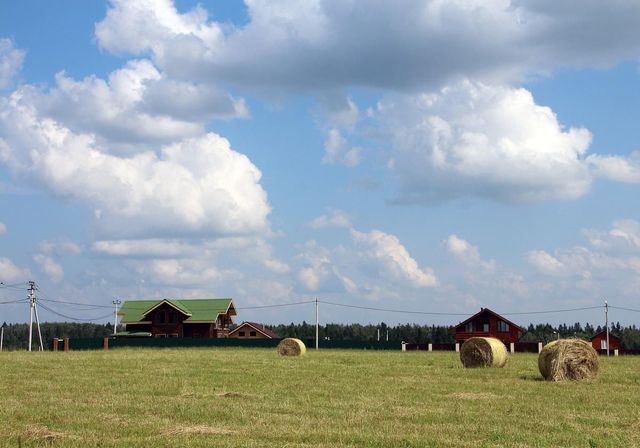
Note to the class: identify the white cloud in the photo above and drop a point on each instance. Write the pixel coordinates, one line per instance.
(198, 185)
(50, 267)
(3, 229)
(392, 258)
(11, 60)
(135, 105)
(622, 238)
(326, 45)
(333, 218)
(338, 151)
(475, 139)
(189, 273)
(545, 262)
(467, 253)
(10, 273)
(621, 169)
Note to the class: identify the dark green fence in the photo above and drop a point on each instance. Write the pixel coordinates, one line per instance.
(97, 343)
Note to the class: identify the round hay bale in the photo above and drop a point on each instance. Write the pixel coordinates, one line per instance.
(483, 352)
(568, 359)
(291, 347)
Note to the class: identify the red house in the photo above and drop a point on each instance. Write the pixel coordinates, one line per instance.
(599, 341)
(486, 323)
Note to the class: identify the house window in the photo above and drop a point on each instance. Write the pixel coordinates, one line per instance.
(468, 328)
(241, 334)
(485, 328)
(603, 344)
(252, 334)
(503, 326)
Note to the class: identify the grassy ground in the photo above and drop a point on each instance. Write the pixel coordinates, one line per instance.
(251, 397)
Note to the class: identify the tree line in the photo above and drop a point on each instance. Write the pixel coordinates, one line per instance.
(16, 335)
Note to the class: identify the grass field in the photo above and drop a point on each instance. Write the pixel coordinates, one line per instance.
(252, 398)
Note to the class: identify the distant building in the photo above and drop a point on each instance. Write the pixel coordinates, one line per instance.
(189, 318)
(252, 330)
(486, 323)
(599, 341)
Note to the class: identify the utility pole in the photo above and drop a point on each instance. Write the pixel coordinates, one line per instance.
(1, 337)
(116, 302)
(606, 322)
(33, 310)
(378, 334)
(317, 321)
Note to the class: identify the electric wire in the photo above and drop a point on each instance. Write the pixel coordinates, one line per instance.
(12, 301)
(80, 319)
(275, 305)
(388, 310)
(625, 309)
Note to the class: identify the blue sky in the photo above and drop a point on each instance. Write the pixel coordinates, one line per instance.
(443, 156)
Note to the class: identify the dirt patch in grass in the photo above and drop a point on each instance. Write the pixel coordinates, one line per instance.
(198, 429)
(38, 432)
(474, 395)
(234, 395)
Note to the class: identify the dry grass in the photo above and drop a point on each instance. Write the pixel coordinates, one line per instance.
(334, 398)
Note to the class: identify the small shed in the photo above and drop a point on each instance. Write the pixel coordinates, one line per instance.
(252, 330)
(486, 323)
(599, 341)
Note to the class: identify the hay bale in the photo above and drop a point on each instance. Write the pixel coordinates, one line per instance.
(291, 347)
(568, 359)
(483, 352)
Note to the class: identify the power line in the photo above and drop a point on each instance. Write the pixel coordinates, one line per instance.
(625, 309)
(14, 301)
(387, 310)
(75, 318)
(275, 306)
(86, 305)
(554, 311)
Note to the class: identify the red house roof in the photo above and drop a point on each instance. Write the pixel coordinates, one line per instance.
(603, 334)
(496, 315)
(255, 326)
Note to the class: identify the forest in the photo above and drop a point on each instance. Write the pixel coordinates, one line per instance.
(15, 336)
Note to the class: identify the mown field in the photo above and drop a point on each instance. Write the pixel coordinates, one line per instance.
(252, 398)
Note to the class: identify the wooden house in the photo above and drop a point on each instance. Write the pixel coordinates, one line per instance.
(192, 318)
(486, 323)
(252, 330)
(599, 341)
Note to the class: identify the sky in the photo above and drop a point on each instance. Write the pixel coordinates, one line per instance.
(419, 156)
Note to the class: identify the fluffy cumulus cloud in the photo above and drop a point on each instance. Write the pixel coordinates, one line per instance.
(333, 218)
(324, 45)
(11, 59)
(10, 273)
(608, 265)
(617, 168)
(467, 253)
(197, 185)
(50, 267)
(392, 258)
(491, 141)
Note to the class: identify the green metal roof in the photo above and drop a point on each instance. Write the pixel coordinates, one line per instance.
(197, 309)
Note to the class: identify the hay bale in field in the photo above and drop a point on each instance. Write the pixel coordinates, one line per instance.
(483, 352)
(291, 347)
(568, 359)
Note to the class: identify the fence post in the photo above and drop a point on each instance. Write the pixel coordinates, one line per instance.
(512, 347)
(457, 346)
(430, 347)
(105, 343)
(54, 345)
(615, 352)
(404, 346)
(539, 347)
(66, 344)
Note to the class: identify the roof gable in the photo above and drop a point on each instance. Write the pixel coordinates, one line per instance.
(198, 310)
(491, 313)
(255, 326)
(604, 333)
